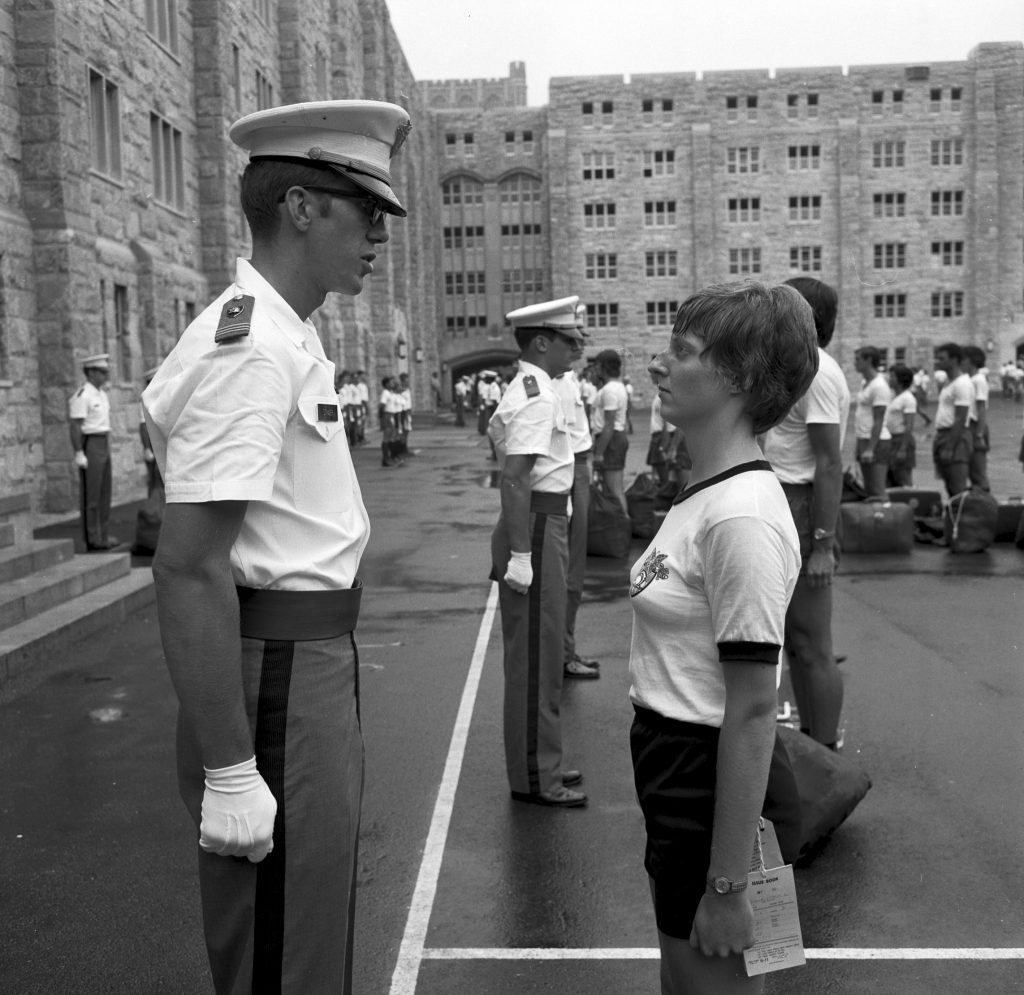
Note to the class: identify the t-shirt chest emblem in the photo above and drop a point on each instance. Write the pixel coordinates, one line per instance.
(653, 569)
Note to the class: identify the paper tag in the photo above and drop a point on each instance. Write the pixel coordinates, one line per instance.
(778, 943)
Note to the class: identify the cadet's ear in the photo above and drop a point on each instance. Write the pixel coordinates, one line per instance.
(299, 208)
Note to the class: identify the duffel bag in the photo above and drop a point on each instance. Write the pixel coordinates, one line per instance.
(608, 527)
(876, 527)
(811, 792)
(923, 503)
(1008, 518)
(640, 501)
(970, 521)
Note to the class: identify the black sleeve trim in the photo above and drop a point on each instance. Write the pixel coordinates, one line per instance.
(748, 653)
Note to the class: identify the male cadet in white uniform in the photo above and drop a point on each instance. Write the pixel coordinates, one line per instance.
(530, 551)
(256, 569)
(89, 423)
(569, 392)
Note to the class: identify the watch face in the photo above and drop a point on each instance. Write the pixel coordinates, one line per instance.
(722, 886)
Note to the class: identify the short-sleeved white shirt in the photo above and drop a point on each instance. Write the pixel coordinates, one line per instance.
(612, 401)
(958, 393)
(875, 393)
(658, 423)
(348, 395)
(902, 405)
(979, 381)
(362, 392)
(721, 569)
(827, 402)
(489, 393)
(257, 420)
(391, 401)
(92, 406)
(534, 426)
(567, 387)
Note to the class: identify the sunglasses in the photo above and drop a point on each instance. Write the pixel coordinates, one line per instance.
(374, 212)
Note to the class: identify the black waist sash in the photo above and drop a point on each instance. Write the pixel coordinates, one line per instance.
(549, 504)
(298, 616)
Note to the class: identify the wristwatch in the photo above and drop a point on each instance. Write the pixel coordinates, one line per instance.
(820, 534)
(723, 886)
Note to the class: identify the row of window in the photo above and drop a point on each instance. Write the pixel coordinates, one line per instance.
(944, 304)
(893, 255)
(797, 105)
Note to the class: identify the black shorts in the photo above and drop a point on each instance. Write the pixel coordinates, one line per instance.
(615, 451)
(674, 769)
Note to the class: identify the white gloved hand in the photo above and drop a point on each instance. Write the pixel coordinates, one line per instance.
(81, 460)
(519, 575)
(238, 813)
(147, 455)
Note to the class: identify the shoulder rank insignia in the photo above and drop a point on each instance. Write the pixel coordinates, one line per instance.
(530, 386)
(235, 318)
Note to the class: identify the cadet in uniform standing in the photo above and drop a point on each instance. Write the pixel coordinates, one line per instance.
(89, 417)
(256, 573)
(530, 552)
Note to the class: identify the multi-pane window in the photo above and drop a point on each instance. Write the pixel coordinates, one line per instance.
(105, 125)
(659, 213)
(461, 321)
(805, 208)
(659, 162)
(599, 165)
(661, 262)
(515, 231)
(661, 312)
(601, 266)
(165, 143)
(527, 142)
(122, 332)
(732, 107)
(947, 151)
(890, 305)
(889, 205)
(935, 99)
(897, 101)
(519, 189)
(468, 147)
(649, 108)
(162, 22)
(590, 109)
(888, 155)
(812, 105)
(805, 258)
(453, 140)
(955, 93)
(461, 192)
(949, 253)
(602, 315)
(948, 304)
(599, 215)
(264, 92)
(804, 156)
(890, 255)
(522, 281)
(607, 112)
(744, 208)
(743, 159)
(460, 284)
(450, 145)
(947, 203)
(744, 261)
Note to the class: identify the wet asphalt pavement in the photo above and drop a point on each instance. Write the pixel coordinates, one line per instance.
(97, 885)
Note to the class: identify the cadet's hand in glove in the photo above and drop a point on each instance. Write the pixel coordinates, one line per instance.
(238, 813)
(81, 460)
(519, 575)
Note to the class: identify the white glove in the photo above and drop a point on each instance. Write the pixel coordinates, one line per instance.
(238, 813)
(519, 575)
(147, 455)
(81, 460)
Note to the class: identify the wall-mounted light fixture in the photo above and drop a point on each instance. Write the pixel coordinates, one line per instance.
(418, 354)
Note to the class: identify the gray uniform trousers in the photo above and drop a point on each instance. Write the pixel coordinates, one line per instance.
(285, 925)
(577, 549)
(533, 629)
(96, 486)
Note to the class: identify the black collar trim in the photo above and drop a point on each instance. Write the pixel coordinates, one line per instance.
(757, 464)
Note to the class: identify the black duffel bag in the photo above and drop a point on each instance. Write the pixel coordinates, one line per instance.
(609, 529)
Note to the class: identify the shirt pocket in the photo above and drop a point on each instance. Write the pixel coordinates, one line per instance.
(321, 466)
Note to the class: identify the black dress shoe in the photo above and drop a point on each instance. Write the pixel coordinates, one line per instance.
(570, 777)
(558, 797)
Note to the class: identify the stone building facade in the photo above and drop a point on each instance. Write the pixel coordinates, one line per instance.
(901, 185)
(119, 216)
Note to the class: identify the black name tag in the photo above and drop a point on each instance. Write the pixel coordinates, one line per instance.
(327, 412)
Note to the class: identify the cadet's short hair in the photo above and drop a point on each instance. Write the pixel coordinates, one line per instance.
(871, 354)
(760, 338)
(265, 182)
(974, 355)
(903, 375)
(609, 361)
(951, 349)
(824, 303)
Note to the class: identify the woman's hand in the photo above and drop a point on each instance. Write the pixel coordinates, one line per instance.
(723, 925)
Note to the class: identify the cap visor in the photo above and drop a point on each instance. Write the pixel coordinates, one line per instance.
(378, 188)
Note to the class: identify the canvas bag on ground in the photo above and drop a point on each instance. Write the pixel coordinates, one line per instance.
(811, 791)
(876, 527)
(640, 501)
(970, 521)
(609, 529)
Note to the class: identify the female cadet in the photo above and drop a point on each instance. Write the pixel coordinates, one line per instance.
(709, 599)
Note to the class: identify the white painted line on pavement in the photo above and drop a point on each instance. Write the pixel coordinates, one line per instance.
(652, 953)
(411, 953)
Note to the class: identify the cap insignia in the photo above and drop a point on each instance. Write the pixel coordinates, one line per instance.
(401, 134)
(315, 152)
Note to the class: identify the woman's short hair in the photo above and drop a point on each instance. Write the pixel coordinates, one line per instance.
(762, 339)
(871, 354)
(824, 303)
(903, 375)
(264, 184)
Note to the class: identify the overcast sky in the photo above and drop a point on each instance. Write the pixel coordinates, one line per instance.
(446, 39)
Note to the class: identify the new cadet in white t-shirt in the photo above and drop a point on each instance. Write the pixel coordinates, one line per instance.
(696, 599)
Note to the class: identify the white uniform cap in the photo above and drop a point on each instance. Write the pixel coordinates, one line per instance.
(559, 316)
(101, 361)
(356, 138)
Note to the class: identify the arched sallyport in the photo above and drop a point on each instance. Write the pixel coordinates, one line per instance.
(502, 361)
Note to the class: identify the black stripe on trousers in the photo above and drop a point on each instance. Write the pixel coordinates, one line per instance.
(533, 650)
(271, 734)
